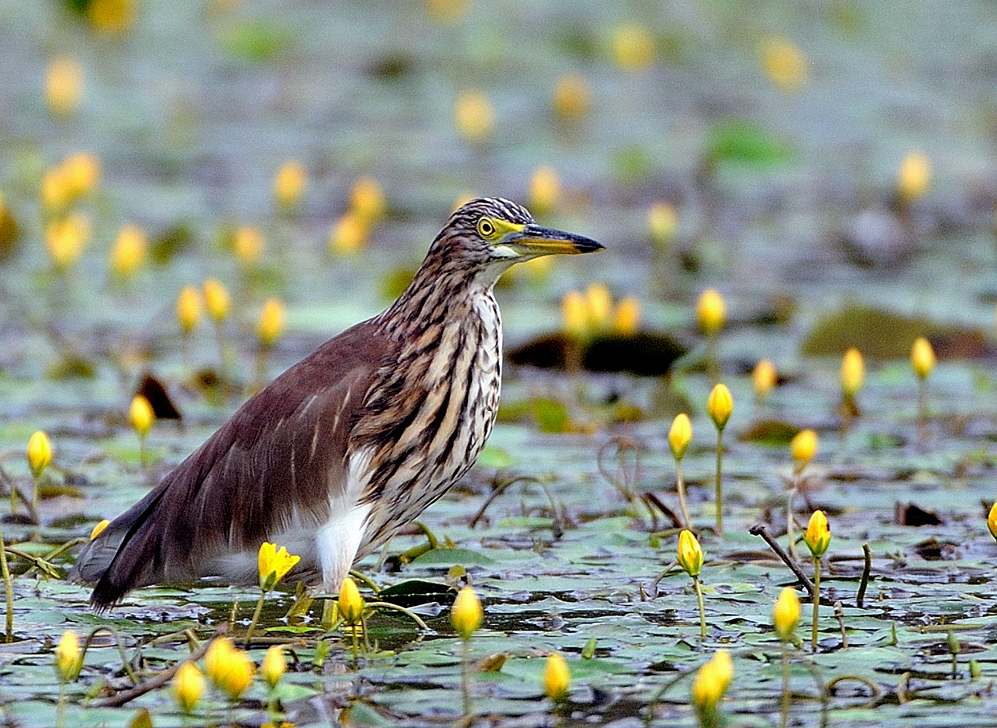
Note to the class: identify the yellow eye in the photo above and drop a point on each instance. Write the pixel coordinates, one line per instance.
(486, 228)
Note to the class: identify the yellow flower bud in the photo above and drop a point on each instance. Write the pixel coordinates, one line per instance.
(236, 673)
(68, 658)
(690, 554)
(111, 16)
(786, 613)
(784, 63)
(348, 234)
(39, 453)
(913, 176)
(63, 86)
(351, 604)
(852, 372)
(99, 529)
(545, 190)
(711, 311)
(216, 299)
(247, 244)
(273, 564)
(188, 308)
(992, 521)
(712, 681)
(140, 415)
(188, 686)
(274, 665)
(627, 316)
(764, 378)
(574, 314)
(82, 173)
(367, 200)
(922, 357)
(474, 116)
(56, 193)
(680, 435)
(128, 252)
(662, 222)
(633, 47)
(572, 97)
(66, 239)
(289, 183)
(599, 304)
(216, 658)
(271, 323)
(803, 447)
(557, 677)
(466, 614)
(719, 405)
(818, 534)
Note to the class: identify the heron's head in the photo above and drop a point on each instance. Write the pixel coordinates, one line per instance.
(490, 234)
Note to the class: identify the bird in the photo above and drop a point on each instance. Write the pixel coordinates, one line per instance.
(348, 445)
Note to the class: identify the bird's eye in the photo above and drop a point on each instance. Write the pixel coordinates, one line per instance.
(486, 228)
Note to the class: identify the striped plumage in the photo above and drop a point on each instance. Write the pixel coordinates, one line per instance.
(351, 443)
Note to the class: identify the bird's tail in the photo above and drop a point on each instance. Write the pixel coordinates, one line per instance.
(124, 555)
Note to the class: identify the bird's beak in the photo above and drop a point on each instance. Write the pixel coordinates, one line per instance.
(534, 240)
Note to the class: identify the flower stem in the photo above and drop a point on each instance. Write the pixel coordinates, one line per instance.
(8, 587)
(790, 536)
(680, 486)
(719, 483)
(34, 493)
(813, 623)
(256, 618)
(785, 685)
(697, 585)
(922, 411)
(465, 676)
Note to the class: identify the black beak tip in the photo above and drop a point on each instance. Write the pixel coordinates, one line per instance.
(587, 245)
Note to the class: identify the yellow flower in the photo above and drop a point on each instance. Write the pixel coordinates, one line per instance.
(271, 323)
(351, 604)
(188, 686)
(367, 200)
(662, 222)
(633, 47)
(55, 191)
(599, 304)
(784, 63)
(274, 665)
(447, 12)
(63, 85)
(913, 176)
(680, 435)
(474, 116)
(557, 677)
(992, 521)
(216, 299)
(711, 311)
(627, 316)
(803, 447)
(274, 564)
(719, 405)
(247, 244)
(289, 183)
(99, 529)
(466, 614)
(68, 658)
(111, 16)
(852, 372)
(216, 658)
(574, 314)
(690, 554)
(712, 681)
(818, 534)
(348, 234)
(128, 252)
(39, 453)
(65, 239)
(764, 378)
(786, 613)
(545, 190)
(140, 415)
(188, 308)
(82, 173)
(922, 357)
(572, 97)
(236, 672)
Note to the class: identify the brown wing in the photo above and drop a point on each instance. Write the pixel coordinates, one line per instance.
(281, 455)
